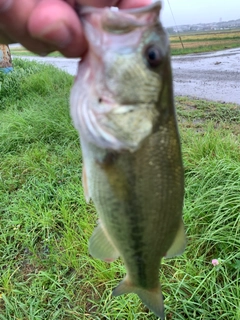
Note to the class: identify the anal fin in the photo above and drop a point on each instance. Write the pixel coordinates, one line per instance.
(179, 243)
(100, 245)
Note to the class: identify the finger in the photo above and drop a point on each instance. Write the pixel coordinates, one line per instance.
(56, 23)
(5, 5)
(97, 3)
(127, 4)
(124, 4)
(13, 25)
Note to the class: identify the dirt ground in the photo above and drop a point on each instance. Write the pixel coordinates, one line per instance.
(212, 76)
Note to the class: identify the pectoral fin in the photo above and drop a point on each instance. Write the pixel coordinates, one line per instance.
(100, 245)
(153, 298)
(179, 243)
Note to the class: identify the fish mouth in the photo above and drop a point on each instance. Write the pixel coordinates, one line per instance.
(114, 20)
(157, 5)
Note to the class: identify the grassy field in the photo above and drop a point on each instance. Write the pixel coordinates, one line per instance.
(193, 43)
(46, 271)
(205, 41)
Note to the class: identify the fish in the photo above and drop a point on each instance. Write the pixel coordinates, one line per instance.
(122, 105)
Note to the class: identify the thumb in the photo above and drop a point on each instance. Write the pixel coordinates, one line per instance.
(55, 22)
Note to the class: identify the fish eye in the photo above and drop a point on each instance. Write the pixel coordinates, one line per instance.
(153, 55)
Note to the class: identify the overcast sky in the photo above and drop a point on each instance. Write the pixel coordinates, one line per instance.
(197, 11)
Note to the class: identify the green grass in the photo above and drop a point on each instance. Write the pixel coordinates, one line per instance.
(21, 51)
(214, 38)
(203, 48)
(45, 268)
(196, 42)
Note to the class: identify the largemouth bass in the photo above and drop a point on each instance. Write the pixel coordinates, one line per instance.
(122, 105)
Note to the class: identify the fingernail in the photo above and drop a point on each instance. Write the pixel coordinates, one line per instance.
(5, 5)
(58, 35)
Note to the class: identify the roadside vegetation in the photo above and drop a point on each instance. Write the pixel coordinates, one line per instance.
(46, 271)
(205, 41)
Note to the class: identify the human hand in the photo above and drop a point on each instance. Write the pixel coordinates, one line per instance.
(43, 26)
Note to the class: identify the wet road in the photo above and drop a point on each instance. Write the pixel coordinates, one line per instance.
(212, 76)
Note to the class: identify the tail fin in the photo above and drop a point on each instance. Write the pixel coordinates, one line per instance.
(153, 298)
